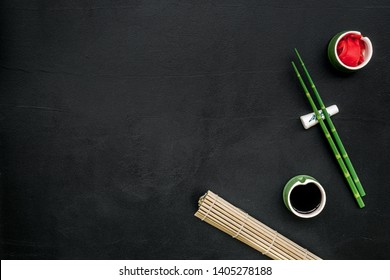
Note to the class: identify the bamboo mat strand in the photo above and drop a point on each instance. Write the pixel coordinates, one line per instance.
(240, 225)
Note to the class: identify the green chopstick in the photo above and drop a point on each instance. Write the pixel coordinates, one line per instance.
(333, 130)
(347, 175)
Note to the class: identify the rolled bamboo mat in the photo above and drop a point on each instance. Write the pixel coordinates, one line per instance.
(240, 225)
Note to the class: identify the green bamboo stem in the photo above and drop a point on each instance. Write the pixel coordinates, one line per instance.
(346, 173)
(333, 130)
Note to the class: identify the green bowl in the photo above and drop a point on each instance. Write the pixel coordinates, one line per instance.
(337, 63)
(302, 181)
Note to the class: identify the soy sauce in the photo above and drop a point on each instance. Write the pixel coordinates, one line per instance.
(305, 198)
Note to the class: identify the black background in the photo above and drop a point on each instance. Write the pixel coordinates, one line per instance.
(116, 116)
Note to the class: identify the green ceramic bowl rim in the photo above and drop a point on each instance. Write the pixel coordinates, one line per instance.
(367, 56)
(303, 180)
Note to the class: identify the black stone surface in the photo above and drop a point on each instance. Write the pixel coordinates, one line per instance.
(116, 116)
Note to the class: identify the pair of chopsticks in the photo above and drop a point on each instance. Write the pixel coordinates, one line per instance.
(335, 142)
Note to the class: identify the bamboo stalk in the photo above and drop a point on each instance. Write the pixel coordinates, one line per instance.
(333, 130)
(240, 225)
(330, 140)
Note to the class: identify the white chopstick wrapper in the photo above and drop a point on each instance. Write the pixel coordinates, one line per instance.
(310, 119)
